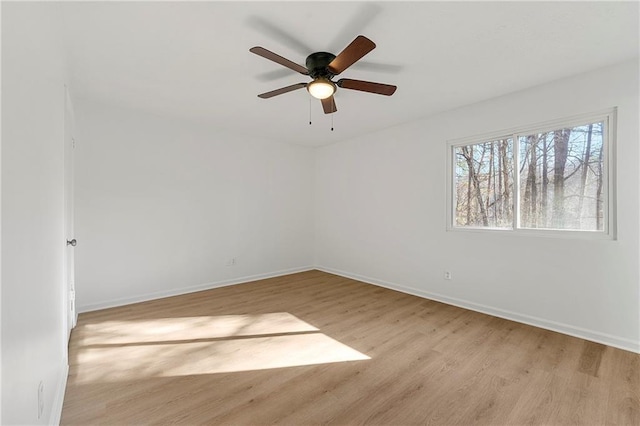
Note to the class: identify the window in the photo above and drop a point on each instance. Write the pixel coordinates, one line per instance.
(552, 177)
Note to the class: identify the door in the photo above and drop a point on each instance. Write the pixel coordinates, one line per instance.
(69, 258)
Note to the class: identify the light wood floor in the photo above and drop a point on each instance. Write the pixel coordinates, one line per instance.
(315, 348)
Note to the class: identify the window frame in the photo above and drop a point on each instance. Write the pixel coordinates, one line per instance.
(607, 117)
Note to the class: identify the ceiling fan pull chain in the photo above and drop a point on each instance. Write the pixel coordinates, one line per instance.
(333, 101)
(309, 111)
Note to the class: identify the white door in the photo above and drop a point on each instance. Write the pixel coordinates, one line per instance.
(69, 146)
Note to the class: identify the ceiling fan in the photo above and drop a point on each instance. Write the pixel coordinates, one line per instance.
(322, 67)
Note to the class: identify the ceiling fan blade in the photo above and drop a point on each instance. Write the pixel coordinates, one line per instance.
(351, 54)
(282, 90)
(261, 51)
(367, 86)
(329, 105)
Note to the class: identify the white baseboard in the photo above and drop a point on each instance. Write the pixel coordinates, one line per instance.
(58, 399)
(594, 336)
(185, 290)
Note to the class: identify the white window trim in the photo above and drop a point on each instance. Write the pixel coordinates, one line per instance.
(608, 117)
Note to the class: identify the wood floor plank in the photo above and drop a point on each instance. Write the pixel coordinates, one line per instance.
(591, 357)
(315, 348)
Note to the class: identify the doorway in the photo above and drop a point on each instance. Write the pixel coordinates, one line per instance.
(69, 205)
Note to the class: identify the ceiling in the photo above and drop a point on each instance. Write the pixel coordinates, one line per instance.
(191, 59)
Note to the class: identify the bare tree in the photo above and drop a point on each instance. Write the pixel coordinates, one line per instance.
(545, 183)
(469, 182)
(531, 190)
(498, 190)
(599, 212)
(560, 150)
(505, 178)
(585, 170)
(489, 175)
(473, 177)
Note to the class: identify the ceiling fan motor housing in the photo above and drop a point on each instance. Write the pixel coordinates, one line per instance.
(317, 64)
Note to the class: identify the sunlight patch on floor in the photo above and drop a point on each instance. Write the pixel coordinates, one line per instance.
(167, 347)
(201, 327)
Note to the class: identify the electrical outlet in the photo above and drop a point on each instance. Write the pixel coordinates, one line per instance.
(447, 275)
(40, 398)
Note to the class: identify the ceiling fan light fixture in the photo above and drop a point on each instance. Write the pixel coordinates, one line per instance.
(321, 88)
(322, 67)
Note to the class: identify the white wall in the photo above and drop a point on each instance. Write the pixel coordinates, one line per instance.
(33, 241)
(162, 204)
(380, 216)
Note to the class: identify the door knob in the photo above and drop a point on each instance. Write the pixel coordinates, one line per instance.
(72, 243)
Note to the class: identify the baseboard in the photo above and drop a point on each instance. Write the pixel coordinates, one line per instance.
(185, 290)
(591, 335)
(58, 399)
